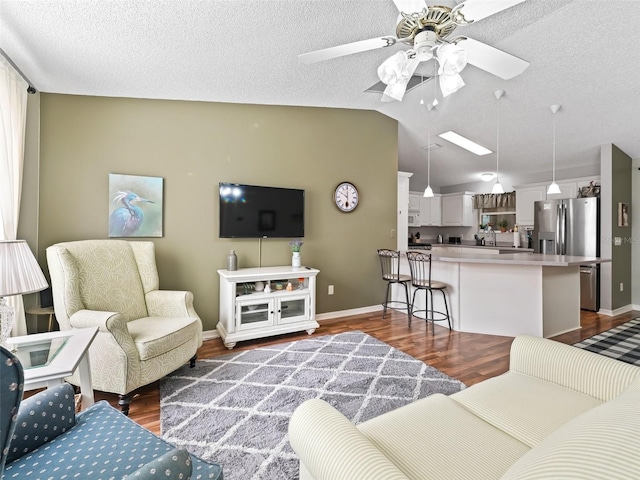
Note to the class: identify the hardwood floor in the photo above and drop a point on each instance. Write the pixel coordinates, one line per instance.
(467, 357)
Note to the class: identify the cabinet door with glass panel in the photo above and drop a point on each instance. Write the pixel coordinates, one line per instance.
(254, 311)
(291, 308)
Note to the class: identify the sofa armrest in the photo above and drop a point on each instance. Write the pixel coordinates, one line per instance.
(331, 448)
(173, 464)
(170, 303)
(590, 373)
(41, 418)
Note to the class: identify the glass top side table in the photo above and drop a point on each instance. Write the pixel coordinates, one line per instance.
(48, 358)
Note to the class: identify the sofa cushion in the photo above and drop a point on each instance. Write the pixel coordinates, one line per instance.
(525, 407)
(601, 444)
(155, 336)
(436, 438)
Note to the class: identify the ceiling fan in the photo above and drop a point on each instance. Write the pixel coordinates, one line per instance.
(428, 30)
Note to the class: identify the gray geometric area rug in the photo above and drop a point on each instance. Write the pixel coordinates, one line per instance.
(234, 409)
(621, 342)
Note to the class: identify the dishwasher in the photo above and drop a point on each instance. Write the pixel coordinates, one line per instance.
(590, 287)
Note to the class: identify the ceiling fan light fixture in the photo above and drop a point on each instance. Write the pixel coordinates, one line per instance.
(391, 70)
(452, 59)
(450, 84)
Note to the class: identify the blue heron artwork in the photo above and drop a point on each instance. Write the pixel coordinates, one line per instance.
(135, 206)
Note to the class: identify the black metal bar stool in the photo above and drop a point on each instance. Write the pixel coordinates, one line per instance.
(390, 263)
(420, 267)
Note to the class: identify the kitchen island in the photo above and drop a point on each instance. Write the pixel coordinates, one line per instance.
(509, 294)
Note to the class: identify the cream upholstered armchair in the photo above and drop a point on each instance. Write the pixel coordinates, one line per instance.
(144, 333)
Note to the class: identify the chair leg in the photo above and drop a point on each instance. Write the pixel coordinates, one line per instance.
(192, 361)
(446, 308)
(124, 401)
(433, 323)
(409, 305)
(386, 300)
(413, 302)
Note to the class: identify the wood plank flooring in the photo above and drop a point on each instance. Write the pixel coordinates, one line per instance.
(467, 357)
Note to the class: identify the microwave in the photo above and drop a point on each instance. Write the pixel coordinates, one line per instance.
(414, 219)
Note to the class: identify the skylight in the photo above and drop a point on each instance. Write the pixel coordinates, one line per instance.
(465, 143)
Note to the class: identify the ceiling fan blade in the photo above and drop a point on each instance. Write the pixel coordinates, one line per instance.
(409, 6)
(499, 63)
(474, 10)
(347, 49)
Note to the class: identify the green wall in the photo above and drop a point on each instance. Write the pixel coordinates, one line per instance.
(621, 255)
(195, 145)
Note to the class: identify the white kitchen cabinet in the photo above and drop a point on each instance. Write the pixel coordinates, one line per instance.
(525, 198)
(402, 229)
(431, 211)
(567, 190)
(414, 202)
(457, 210)
(246, 313)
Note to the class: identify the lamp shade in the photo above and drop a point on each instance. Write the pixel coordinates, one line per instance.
(19, 271)
(452, 59)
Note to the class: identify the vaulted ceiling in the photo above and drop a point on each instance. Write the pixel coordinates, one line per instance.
(583, 55)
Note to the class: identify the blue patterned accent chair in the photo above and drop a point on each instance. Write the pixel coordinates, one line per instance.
(144, 333)
(43, 438)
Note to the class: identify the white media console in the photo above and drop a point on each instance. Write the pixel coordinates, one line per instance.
(247, 311)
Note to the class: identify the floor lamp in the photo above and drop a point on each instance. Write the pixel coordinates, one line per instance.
(19, 274)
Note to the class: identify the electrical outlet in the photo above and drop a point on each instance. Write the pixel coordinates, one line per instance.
(621, 287)
(393, 233)
(330, 291)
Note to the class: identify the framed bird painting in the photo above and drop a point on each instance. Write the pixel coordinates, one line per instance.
(135, 206)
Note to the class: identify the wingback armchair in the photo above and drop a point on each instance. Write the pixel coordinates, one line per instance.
(144, 333)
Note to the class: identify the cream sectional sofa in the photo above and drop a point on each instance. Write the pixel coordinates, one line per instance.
(558, 413)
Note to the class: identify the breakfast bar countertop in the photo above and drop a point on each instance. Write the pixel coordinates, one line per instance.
(524, 259)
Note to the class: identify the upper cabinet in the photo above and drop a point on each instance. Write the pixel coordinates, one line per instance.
(414, 202)
(431, 211)
(403, 214)
(525, 198)
(457, 210)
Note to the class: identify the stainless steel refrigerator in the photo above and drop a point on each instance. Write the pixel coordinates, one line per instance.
(572, 227)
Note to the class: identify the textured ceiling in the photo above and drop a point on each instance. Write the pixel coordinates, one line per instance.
(583, 55)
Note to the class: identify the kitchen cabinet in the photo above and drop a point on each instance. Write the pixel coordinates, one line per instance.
(247, 311)
(457, 210)
(525, 198)
(414, 202)
(431, 211)
(402, 226)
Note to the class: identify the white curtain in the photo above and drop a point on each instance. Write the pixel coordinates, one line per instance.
(13, 114)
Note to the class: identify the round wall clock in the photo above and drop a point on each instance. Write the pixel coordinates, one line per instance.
(346, 197)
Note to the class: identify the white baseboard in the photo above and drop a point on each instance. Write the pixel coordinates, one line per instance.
(210, 334)
(346, 313)
(617, 311)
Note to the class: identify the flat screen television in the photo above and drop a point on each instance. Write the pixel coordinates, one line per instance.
(251, 211)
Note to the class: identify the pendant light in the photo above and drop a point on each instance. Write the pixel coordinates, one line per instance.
(554, 188)
(428, 192)
(497, 187)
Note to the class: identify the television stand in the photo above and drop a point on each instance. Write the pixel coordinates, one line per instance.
(248, 312)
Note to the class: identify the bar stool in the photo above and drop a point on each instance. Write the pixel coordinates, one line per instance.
(390, 263)
(420, 267)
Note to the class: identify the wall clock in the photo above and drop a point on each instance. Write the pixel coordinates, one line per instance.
(346, 197)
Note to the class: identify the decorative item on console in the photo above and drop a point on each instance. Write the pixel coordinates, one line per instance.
(296, 245)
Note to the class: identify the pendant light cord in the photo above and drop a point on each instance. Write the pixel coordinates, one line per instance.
(554, 147)
(498, 140)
